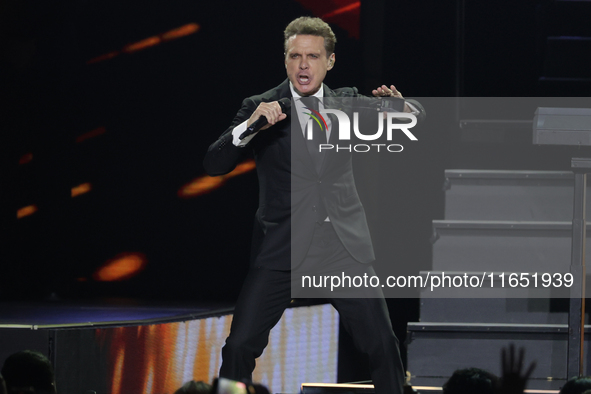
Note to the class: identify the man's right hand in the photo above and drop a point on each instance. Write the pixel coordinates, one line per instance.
(271, 111)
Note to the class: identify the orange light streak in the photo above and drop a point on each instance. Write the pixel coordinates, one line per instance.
(26, 158)
(199, 186)
(170, 35)
(100, 58)
(242, 168)
(121, 267)
(91, 134)
(143, 44)
(342, 10)
(26, 211)
(81, 189)
(206, 184)
(118, 371)
(180, 32)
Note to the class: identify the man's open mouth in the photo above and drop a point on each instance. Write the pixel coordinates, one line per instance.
(303, 79)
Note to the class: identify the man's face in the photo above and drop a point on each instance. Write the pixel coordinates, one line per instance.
(306, 63)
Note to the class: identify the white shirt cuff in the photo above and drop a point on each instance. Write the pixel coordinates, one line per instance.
(238, 130)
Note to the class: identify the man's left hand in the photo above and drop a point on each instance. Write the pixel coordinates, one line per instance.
(384, 91)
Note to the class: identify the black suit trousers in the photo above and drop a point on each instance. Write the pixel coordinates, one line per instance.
(267, 293)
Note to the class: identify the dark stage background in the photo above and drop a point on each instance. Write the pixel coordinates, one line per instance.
(110, 107)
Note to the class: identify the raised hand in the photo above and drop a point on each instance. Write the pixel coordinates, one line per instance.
(384, 91)
(512, 380)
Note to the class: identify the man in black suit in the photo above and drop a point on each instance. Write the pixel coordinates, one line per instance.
(310, 218)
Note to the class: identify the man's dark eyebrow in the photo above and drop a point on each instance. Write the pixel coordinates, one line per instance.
(311, 53)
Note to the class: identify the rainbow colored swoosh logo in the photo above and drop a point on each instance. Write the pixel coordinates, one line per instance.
(318, 118)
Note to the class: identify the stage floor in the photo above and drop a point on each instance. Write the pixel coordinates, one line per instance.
(65, 314)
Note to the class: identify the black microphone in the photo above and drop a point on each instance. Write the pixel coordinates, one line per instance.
(381, 104)
(261, 122)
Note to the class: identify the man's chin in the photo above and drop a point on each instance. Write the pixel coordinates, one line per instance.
(305, 90)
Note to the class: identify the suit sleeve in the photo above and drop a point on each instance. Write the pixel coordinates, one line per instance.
(422, 114)
(223, 156)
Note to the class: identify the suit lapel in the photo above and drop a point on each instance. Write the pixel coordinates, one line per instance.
(299, 148)
(334, 130)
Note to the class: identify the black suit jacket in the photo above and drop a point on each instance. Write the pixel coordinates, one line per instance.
(291, 189)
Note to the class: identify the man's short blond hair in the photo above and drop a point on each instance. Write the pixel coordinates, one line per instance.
(313, 27)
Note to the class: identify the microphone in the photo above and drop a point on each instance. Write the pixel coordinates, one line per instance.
(261, 122)
(381, 104)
